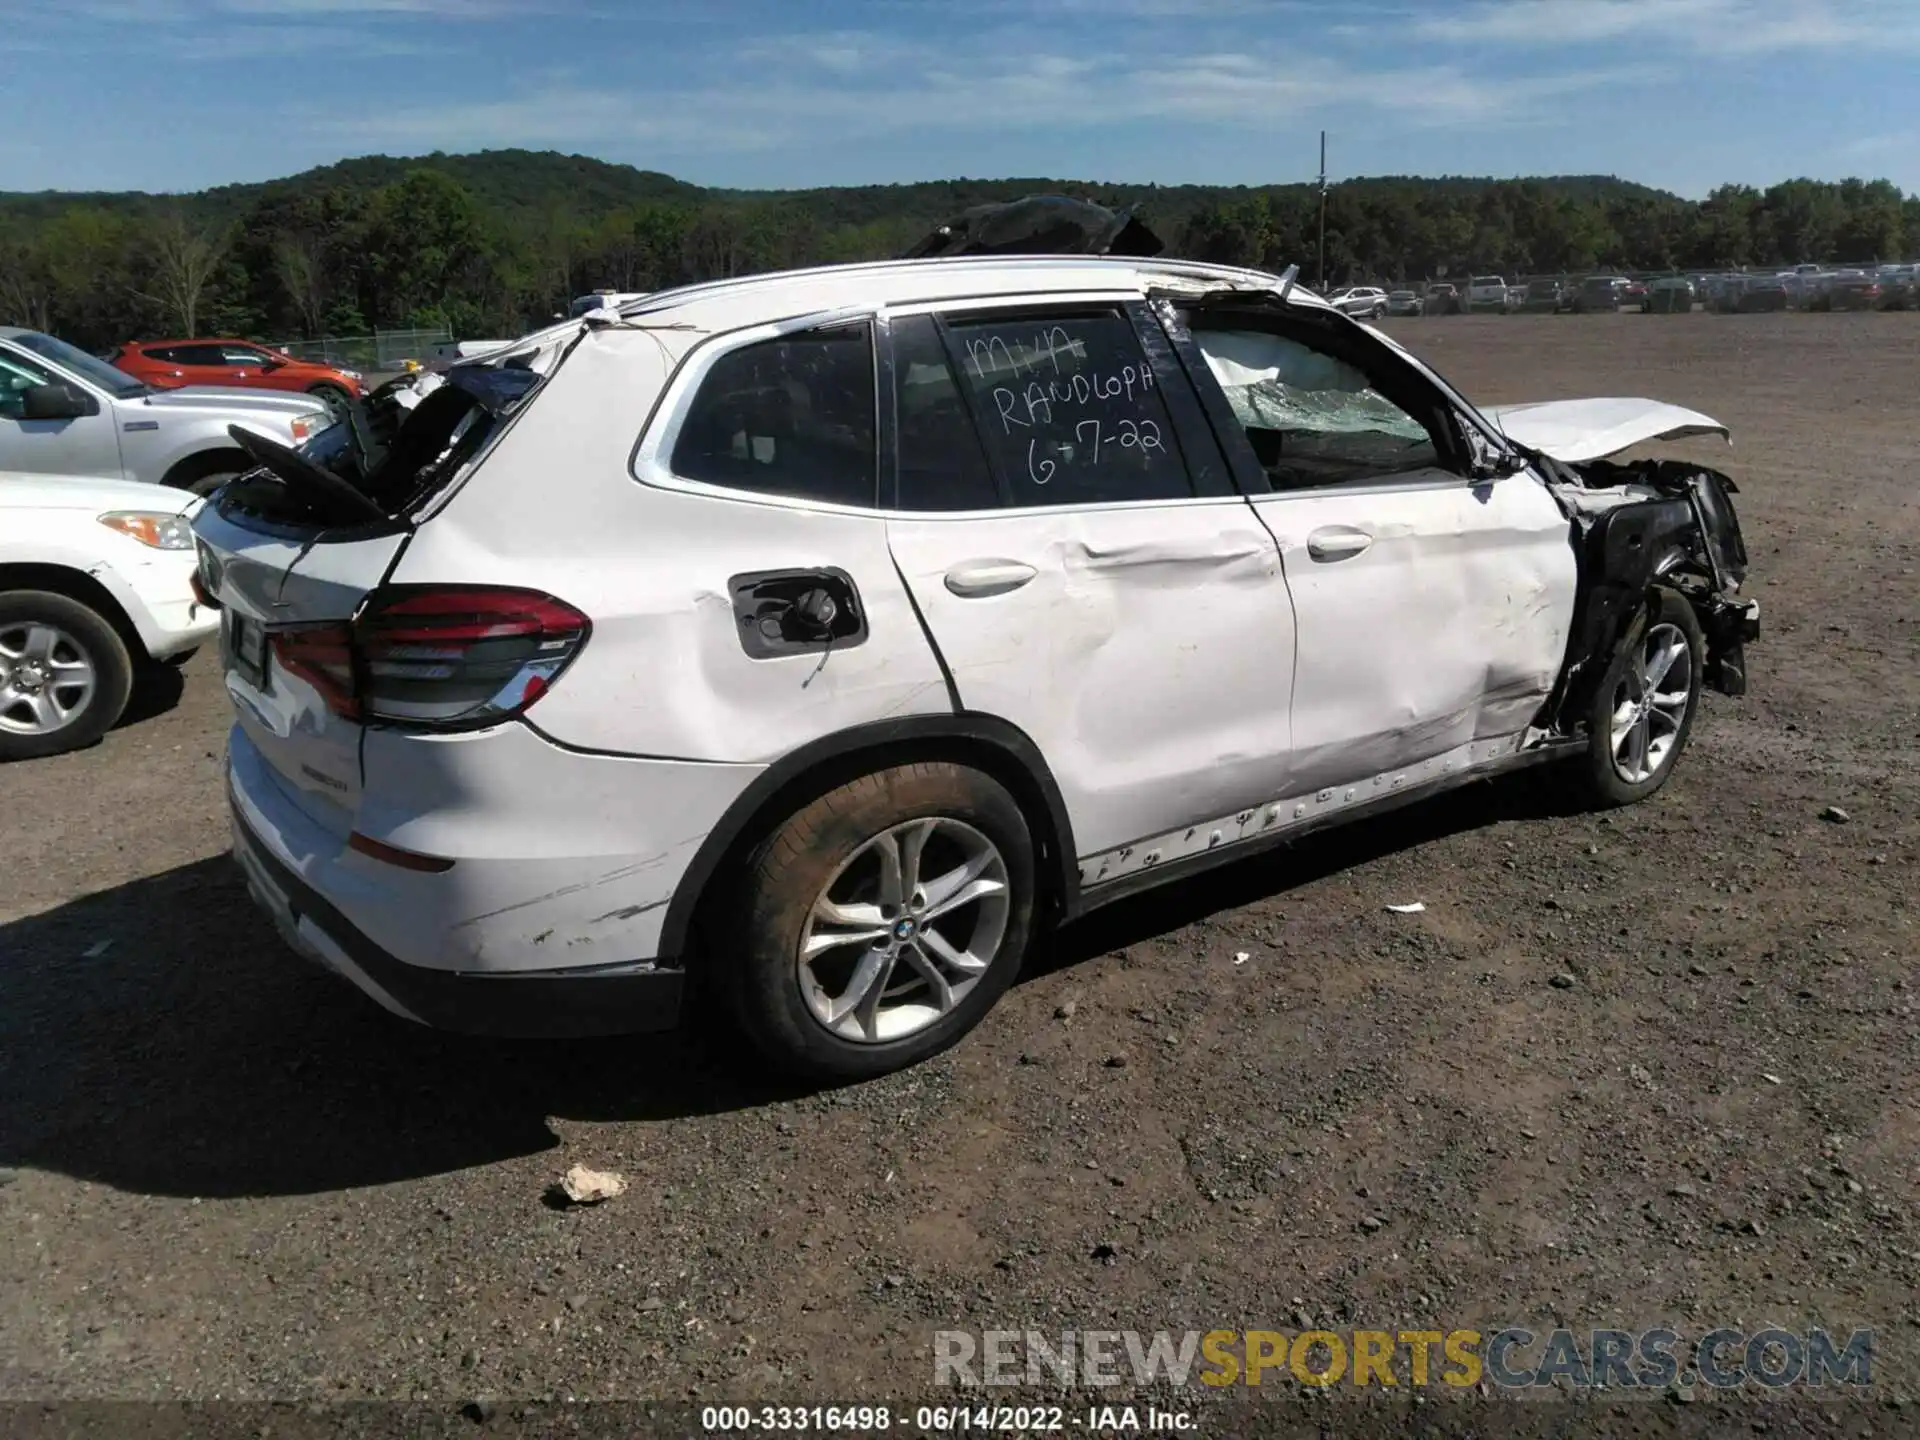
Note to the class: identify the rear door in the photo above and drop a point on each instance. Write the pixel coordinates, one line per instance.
(1090, 573)
(1432, 609)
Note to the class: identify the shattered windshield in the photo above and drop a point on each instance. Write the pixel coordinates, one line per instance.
(1312, 419)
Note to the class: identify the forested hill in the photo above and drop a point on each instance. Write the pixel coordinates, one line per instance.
(489, 242)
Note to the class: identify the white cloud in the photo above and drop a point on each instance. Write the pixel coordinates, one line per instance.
(846, 88)
(1712, 26)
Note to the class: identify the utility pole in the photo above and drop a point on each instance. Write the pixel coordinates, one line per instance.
(1322, 284)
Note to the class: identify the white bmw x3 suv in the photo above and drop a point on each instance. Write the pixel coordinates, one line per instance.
(811, 640)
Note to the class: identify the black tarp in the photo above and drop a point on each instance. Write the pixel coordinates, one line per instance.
(1040, 225)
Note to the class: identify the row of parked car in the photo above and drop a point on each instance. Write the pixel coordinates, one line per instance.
(1806, 287)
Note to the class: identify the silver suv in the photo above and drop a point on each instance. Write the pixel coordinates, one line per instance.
(65, 412)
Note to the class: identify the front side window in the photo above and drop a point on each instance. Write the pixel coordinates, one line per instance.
(92, 368)
(1313, 419)
(17, 376)
(241, 355)
(1070, 408)
(792, 416)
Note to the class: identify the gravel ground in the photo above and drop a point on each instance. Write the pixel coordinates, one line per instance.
(1650, 1067)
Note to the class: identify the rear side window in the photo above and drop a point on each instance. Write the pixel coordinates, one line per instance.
(793, 416)
(1070, 408)
(942, 466)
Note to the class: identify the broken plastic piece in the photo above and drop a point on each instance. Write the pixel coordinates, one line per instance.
(1417, 907)
(590, 1187)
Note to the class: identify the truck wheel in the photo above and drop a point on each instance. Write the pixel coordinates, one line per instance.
(64, 674)
(334, 397)
(877, 924)
(206, 472)
(1643, 712)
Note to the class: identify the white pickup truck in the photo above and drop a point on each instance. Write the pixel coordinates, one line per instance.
(1488, 292)
(65, 412)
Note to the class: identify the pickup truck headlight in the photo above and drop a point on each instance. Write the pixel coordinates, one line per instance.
(163, 530)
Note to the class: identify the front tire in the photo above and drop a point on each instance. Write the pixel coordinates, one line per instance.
(1642, 714)
(65, 674)
(876, 925)
(334, 397)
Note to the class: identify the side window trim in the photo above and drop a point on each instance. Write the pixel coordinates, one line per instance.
(1242, 463)
(1208, 470)
(649, 463)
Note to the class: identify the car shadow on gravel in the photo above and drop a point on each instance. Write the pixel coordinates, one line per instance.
(156, 690)
(158, 1038)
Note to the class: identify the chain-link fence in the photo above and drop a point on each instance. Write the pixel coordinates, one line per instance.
(382, 350)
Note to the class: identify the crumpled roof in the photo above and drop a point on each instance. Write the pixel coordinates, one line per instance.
(1040, 225)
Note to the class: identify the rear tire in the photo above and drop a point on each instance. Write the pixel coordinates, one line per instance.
(876, 925)
(1637, 730)
(65, 674)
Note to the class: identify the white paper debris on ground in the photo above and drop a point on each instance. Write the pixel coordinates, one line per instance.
(1771, 1079)
(1416, 908)
(1240, 957)
(589, 1187)
(96, 950)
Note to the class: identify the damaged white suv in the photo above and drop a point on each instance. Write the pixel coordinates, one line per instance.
(813, 639)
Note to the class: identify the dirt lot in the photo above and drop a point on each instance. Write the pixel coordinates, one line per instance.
(229, 1176)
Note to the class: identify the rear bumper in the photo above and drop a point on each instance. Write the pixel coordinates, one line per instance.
(540, 1004)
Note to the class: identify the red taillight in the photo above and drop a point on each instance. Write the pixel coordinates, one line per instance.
(394, 855)
(440, 657)
(322, 655)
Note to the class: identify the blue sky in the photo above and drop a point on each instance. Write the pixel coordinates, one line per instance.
(1684, 94)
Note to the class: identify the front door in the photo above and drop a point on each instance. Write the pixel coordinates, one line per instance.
(83, 445)
(1433, 608)
(1090, 574)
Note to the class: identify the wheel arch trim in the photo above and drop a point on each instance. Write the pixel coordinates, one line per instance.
(98, 588)
(1002, 749)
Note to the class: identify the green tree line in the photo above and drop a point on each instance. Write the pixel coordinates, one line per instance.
(492, 244)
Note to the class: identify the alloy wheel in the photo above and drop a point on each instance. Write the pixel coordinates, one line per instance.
(1650, 704)
(46, 678)
(904, 930)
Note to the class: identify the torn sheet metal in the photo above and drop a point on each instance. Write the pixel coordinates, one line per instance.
(1575, 430)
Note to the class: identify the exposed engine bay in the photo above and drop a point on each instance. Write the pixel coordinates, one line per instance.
(1642, 524)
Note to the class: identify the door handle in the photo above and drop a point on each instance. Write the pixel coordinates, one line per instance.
(1337, 542)
(980, 578)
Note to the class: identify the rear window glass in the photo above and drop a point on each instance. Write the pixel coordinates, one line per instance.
(942, 465)
(793, 416)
